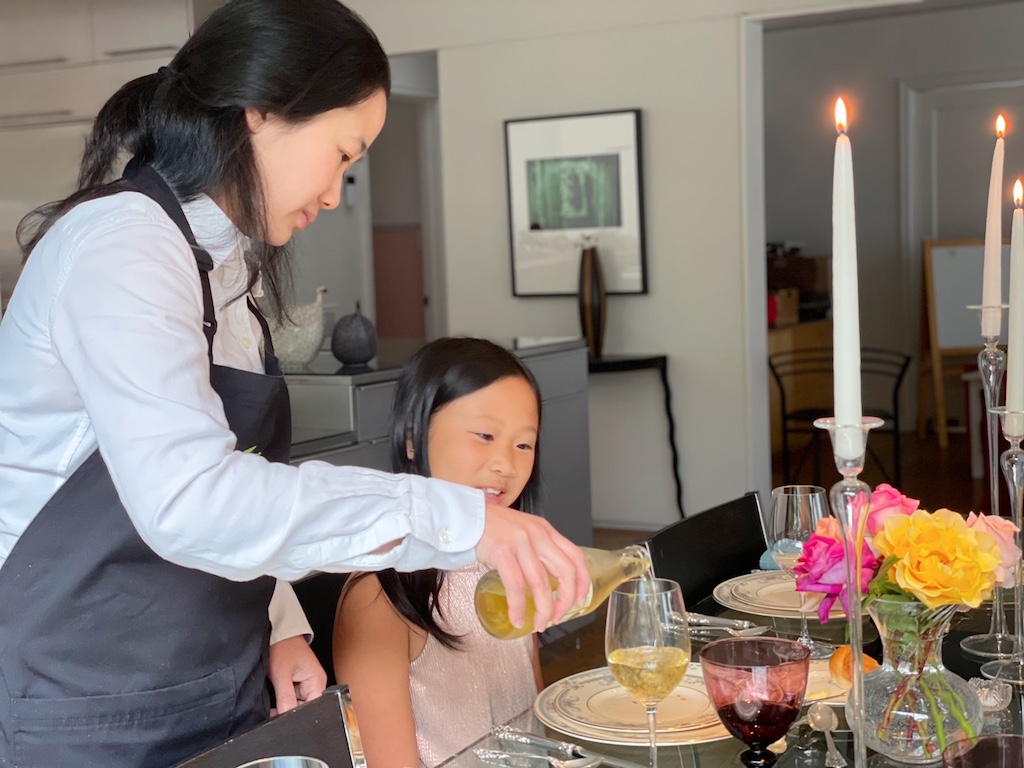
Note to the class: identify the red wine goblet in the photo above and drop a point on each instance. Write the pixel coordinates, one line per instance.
(757, 685)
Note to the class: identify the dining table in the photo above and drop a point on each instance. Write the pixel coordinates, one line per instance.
(803, 747)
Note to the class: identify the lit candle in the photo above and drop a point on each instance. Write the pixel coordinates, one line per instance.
(991, 287)
(849, 443)
(1015, 343)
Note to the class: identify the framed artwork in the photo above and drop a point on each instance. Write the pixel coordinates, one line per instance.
(570, 177)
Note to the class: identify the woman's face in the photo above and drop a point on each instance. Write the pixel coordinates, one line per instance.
(303, 165)
(486, 439)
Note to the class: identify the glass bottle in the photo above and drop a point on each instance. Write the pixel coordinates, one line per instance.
(607, 571)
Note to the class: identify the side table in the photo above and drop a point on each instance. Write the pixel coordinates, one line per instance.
(622, 363)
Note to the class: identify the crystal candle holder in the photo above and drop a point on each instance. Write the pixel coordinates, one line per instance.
(1011, 670)
(849, 445)
(998, 642)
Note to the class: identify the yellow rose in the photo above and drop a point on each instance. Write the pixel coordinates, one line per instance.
(941, 561)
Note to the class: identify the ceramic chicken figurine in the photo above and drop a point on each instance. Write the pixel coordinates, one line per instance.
(296, 343)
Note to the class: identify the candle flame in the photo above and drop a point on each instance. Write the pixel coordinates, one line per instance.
(840, 115)
(1000, 126)
(1018, 193)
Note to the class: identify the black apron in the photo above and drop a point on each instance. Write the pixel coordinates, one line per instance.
(110, 655)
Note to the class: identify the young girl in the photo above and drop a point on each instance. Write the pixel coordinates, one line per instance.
(426, 679)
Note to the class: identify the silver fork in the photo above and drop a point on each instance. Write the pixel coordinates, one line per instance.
(508, 759)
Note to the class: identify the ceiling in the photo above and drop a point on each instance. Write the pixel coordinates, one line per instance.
(924, 6)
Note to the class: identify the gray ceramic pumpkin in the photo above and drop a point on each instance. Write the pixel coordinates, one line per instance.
(354, 341)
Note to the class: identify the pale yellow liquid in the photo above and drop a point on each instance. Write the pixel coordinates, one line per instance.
(607, 570)
(648, 673)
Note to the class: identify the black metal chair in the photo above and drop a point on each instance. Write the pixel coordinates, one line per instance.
(705, 549)
(807, 373)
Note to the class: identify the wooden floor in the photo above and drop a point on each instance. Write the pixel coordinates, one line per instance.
(938, 478)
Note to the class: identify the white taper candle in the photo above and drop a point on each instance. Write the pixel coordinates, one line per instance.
(991, 286)
(849, 442)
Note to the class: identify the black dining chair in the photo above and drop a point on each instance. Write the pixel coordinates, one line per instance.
(804, 379)
(703, 550)
(318, 595)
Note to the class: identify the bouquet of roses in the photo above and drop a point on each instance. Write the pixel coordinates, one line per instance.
(937, 558)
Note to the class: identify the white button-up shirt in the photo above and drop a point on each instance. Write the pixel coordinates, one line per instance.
(102, 346)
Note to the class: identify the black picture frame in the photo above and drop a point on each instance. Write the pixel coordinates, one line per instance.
(571, 176)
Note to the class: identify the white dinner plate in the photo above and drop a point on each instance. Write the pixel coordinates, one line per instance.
(769, 593)
(593, 706)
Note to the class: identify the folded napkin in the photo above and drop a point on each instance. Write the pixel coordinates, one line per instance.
(767, 562)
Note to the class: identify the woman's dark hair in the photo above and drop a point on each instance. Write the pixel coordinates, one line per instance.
(290, 59)
(442, 371)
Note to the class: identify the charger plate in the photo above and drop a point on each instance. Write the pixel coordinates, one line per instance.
(591, 705)
(768, 593)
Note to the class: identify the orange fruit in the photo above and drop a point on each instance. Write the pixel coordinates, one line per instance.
(840, 669)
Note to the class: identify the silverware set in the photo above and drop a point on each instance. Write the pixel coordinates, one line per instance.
(705, 626)
(569, 755)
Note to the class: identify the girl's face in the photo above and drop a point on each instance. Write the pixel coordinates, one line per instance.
(303, 165)
(486, 439)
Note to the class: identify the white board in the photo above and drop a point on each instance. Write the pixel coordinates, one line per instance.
(956, 284)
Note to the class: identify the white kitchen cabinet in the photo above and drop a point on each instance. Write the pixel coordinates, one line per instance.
(44, 33)
(138, 27)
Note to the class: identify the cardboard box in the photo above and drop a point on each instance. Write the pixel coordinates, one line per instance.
(787, 307)
(812, 275)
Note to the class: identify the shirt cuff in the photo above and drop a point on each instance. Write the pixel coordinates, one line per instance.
(287, 619)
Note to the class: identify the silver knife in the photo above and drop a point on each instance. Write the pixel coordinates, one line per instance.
(700, 620)
(565, 748)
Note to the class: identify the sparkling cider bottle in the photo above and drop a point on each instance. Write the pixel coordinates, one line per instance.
(607, 571)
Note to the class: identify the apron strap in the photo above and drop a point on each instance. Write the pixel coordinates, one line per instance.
(146, 180)
(268, 342)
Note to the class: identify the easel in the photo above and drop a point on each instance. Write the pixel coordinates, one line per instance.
(945, 333)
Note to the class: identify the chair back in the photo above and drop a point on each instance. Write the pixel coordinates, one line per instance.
(319, 729)
(804, 379)
(704, 550)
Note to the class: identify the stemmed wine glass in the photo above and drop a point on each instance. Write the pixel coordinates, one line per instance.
(757, 685)
(647, 643)
(795, 512)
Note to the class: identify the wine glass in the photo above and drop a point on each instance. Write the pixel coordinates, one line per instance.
(647, 643)
(757, 685)
(996, 750)
(795, 512)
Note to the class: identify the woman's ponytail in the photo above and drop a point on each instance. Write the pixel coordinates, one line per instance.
(121, 130)
(121, 127)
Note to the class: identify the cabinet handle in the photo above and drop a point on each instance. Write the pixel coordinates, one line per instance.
(35, 116)
(32, 63)
(141, 51)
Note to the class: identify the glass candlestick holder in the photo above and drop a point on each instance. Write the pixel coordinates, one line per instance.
(1011, 670)
(998, 642)
(848, 497)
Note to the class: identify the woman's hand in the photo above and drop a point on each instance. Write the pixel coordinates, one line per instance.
(295, 673)
(525, 549)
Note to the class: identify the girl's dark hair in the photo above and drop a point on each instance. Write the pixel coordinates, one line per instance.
(443, 371)
(293, 60)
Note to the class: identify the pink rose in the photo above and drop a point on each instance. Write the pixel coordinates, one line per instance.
(821, 567)
(1004, 532)
(886, 501)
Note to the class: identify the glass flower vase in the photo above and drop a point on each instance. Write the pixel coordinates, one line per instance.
(913, 705)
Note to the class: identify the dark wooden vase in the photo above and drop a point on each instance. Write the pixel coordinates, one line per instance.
(593, 303)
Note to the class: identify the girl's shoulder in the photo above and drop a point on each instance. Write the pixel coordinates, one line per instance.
(365, 612)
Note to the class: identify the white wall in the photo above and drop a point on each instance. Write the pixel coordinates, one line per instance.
(805, 69)
(680, 63)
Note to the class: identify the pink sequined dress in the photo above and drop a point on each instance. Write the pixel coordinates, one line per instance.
(458, 695)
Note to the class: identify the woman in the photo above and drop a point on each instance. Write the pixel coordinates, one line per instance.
(145, 495)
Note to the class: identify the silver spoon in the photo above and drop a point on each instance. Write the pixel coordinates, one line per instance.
(509, 759)
(822, 718)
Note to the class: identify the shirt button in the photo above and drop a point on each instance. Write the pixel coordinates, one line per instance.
(446, 537)
(246, 343)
